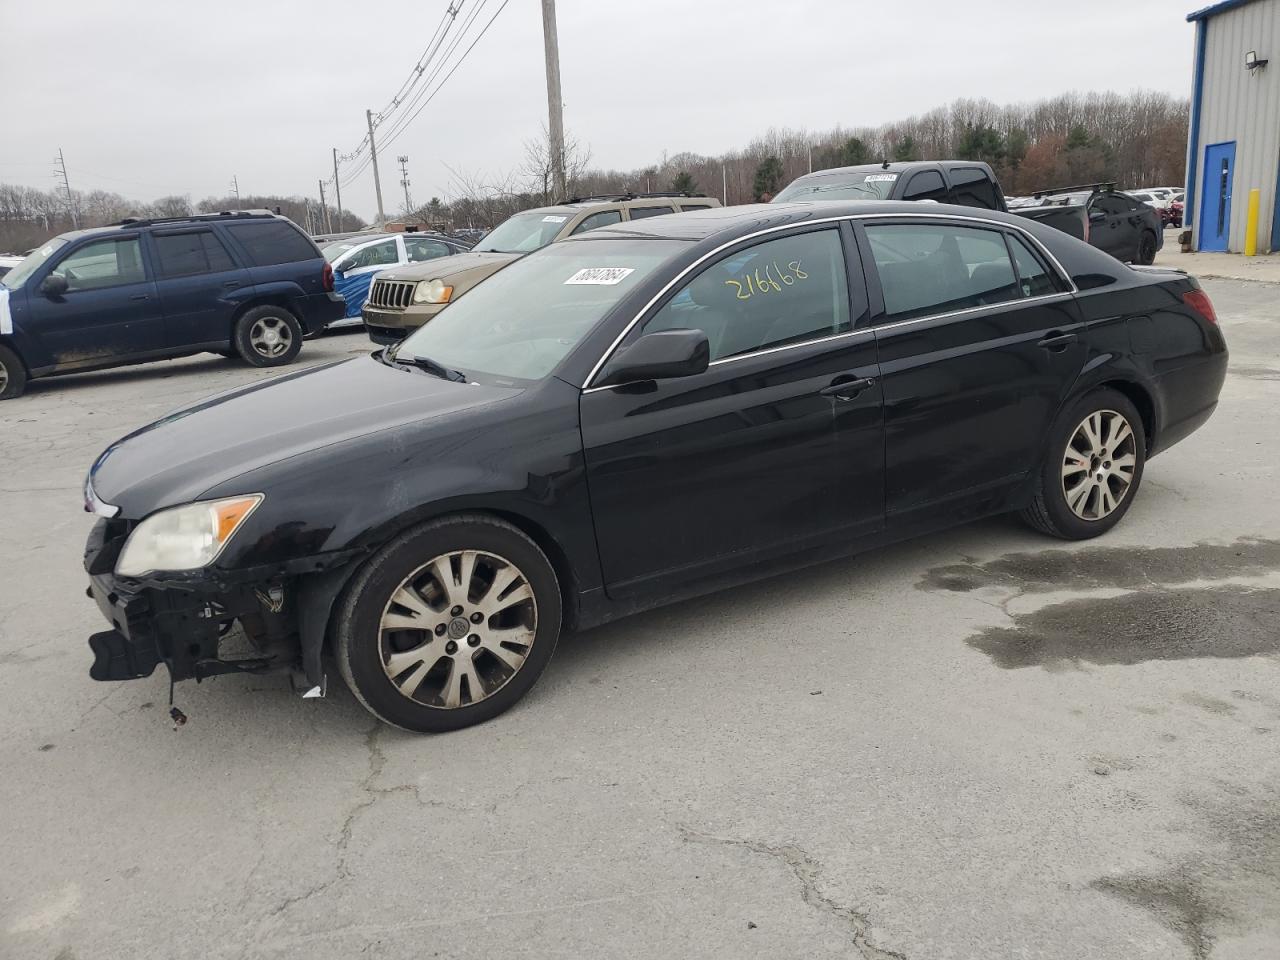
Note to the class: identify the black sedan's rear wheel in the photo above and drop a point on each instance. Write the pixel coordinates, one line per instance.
(1093, 468)
(448, 625)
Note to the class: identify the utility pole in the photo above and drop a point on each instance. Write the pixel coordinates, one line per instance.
(324, 205)
(66, 185)
(555, 105)
(811, 158)
(404, 182)
(235, 188)
(724, 184)
(373, 155)
(337, 187)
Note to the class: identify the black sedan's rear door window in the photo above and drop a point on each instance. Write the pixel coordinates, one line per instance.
(930, 268)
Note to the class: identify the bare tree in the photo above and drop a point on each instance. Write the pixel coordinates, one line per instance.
(536, 169)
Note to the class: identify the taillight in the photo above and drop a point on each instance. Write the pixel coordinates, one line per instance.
(1199, 301)
(326, 278)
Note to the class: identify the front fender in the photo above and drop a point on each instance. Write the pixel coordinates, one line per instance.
(357, 494)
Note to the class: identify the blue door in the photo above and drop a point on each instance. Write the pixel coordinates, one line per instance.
(1215, 199)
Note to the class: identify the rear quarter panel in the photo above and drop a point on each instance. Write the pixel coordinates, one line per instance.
(1140, 331)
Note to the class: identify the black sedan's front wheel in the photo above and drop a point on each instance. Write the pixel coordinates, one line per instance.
(449, 624)
(1092, 471)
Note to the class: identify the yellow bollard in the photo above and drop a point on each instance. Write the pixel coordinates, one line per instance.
(1251, 223)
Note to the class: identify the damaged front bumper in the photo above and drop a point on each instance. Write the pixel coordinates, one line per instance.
(183, 620)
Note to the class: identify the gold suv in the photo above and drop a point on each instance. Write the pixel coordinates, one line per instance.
(407, 296)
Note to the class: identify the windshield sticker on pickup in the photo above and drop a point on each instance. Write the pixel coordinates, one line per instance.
(553, 219)
(774, 280)
(873, 177)
(6, 320)
(601, 276)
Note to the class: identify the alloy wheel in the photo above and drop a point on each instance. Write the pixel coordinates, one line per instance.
(458, 629)
(270, 337)
(4, 376)
(1098, 465)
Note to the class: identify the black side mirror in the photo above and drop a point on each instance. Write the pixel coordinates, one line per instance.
(1096, 215)
(54, 285)
(664, 355)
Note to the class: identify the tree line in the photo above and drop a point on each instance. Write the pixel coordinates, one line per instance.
(1136, 140)
(29, 216)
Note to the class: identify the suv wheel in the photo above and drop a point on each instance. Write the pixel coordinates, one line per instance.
(1147, 248)
(268, 336)
(1092, 470)
(13, 375)
(449, 624)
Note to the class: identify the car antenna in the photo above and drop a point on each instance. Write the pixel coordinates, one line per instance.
(885, 165)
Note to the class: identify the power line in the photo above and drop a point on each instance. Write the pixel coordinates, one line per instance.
(391, 139)
(415, 76)
(443, 61)
(450, 14)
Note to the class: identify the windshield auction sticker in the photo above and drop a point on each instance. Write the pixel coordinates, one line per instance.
(601, 276)
(876, 177)
(553, 219)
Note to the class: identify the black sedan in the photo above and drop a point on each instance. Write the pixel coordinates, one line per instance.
(637, 415)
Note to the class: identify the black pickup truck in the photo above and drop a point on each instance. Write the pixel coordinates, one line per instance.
(1096, 212)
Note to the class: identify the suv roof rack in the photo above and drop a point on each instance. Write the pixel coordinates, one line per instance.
(618, 197)
(1078, 188)
(195, 217)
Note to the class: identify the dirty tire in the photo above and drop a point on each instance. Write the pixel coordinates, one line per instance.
(1147, 248)
(13, 375)
(1049, 511)
(358, 625)
(268, 336)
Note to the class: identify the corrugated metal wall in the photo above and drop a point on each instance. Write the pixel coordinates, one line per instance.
(1243, 106)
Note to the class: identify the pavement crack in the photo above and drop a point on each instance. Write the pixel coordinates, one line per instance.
(808, 872)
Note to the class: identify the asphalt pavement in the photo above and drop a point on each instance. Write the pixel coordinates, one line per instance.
(980, 744)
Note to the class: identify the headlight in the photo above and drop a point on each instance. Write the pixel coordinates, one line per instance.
(184, 538)
(432, 291)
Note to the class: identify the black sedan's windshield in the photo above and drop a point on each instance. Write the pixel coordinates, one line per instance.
(521, 322)
(840, 186)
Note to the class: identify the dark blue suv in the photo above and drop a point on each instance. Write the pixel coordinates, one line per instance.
(248, 284)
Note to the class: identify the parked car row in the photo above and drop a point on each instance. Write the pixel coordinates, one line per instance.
(251, 284)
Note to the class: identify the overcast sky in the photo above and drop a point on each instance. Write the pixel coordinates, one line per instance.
(151, 98)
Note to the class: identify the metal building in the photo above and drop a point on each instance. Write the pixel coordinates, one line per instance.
(1234, 140)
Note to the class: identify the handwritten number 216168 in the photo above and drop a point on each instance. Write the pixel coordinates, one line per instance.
(773, 280)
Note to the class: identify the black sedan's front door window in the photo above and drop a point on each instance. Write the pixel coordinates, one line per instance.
(696, 476)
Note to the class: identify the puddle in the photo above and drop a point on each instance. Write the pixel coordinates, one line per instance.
(1229, 887)
(1227, 622)
(1129, 567)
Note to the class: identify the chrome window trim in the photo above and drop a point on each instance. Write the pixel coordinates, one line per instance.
(967, 310)
(1035, 242)
(851, 218)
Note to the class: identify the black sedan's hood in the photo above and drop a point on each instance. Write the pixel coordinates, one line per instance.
(177, 458)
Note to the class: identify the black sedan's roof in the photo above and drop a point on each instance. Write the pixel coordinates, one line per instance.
(728, 222)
